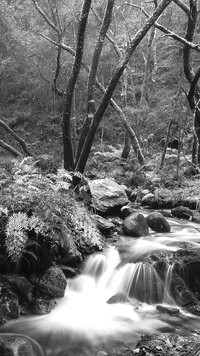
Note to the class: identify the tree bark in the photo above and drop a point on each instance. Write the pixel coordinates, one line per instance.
(148, 69)
(67, 143)
(113, 82)
(93, 72)
(194, 91)
(127, 142)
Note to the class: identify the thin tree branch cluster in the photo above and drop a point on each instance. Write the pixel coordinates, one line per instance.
(94, 115)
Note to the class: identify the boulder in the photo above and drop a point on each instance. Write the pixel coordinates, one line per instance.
(19, 345)
(53, 282)
(150, 200)
(107, 194)
(135, 225)
(182, 212)
(157, 222)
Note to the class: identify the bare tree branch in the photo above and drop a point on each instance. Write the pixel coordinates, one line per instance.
(184, 41)
(113, 82)
(17, 137)
(115, 46)
(46, 17)
(183, 6)
(10, 149)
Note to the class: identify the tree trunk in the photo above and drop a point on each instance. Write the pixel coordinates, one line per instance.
(166, 144)
(113, 82)
(194, 91)
(92, 74)
(148, 66)
(127, 142)
(67, 143)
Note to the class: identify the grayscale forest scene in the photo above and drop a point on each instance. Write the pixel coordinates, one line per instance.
(100, 178)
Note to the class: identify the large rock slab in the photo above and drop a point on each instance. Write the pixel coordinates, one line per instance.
(107, 194)
(135, 225)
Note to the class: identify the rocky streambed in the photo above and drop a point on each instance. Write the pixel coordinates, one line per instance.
(50, 223)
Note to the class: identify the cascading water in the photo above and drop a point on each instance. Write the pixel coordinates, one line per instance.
(114, 299)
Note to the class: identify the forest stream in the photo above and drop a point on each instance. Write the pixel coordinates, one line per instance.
(117, 298)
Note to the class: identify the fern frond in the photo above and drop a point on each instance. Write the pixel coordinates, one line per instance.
(16, 236)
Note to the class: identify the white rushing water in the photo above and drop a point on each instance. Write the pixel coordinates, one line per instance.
(114, 299)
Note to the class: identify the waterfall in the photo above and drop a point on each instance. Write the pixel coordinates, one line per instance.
(114, 298)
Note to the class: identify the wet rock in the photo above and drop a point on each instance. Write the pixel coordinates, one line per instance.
(19, 345)
(135, 225)
(107, 195)
(104, 225)
(171, 344)
(53, 282)
(42, 306)
(68, 271)
(118, 298)
(9, 305)
(150, 200)
(157, 222)
(182, 212)
(168, 309)
(21, 286)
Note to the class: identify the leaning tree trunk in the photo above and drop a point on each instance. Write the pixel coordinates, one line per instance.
(113, 82)
(92, 74)
(67, 143)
